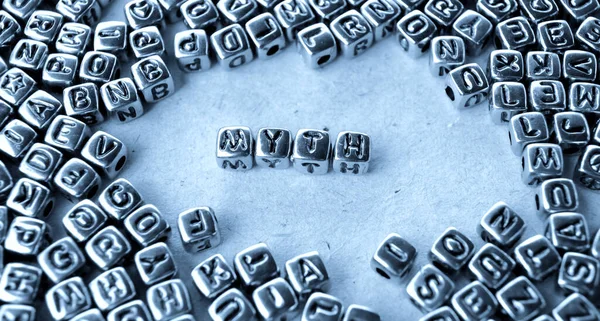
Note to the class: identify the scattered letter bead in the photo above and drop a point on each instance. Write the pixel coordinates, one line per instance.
(520, 299)
(317, 45)
(579, 273)
(168, 299)
(266, 35)
(84, 220)
(213, 276)
(121, 99)
(452, 250)
(537, 257)
(107, 248)
(40, 162)
(155, 263)
(474, 302)
(255, 266)
(414, 32)
(467, 86)
(429, 288)
(120, 199)
(541, 161)
(153, 79)
(61, 259)
(447, 53)
(106, 152)
(146, 225)
(68, 298)
(475, 29)
(192, 50)
(275, 300)
(231, 46)
(555, 196)
(394, 257)
(306, 274)
(492, 266)
(568, 231)
(501, 226)
(199, 229)
(77, 180)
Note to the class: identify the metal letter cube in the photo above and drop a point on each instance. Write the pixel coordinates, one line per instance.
(555, 196)
(87, 12)
(146, 225)
(475, 29)
(444, 12)
(112, 288)
(394, 257)
(275, 300)
(111, 37)
(584, 98)
(429, 288)
(492, 266)
(577, 12)
(322, 307)
(317, 45)
(30, 198)
(39, 109)
(537, 257)
(99, 67)
(106, 152)
(136, 309)
(571, 131)
(60, 70)
(231, 46)
(352, 153)
(82, 102)
(16, 138)
(255, 266)
(121, 100)
(312, 151)
(200, 14)
(43, 25)
(266, 35)
(19, 283)
(568, 231)
(555, 35)
(474, 302)
(26, 236)
(306, 274)
(358, 312)
(192, 50)
(16, 86)
(588, 34)
(579, 65)
(501, 226)
(520, 299)
(539, 11)
(168, 300)
(467, 86)
(575, 305)
(29, 55)
(414, 32)
(452, 250)
(579, 273)
(21, 9)
(153, 79)
(273, 148)
(542, 65)
(293, 16)
(74, 39)
(107, 248)
(146, 42)
(155, 263)
(213, 276)
(77, 180)
(382, 15)
(497, 12)
(9, 29)
(61, 259)
(587, 171)
(525, 129)
(144, 13)
(514, 34)
(447, 53)
(326, 10)
(506, 65)
(17, 312)
(199, 229)
(237, 11)
(541, 161)
(232, 305)
(235, 148)
(120, 199)
(68, 298)
(83, 220)
(507, 99)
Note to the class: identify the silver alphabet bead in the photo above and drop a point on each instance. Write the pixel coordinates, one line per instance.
(352, 153)
(525, 129)
(467, 86)
(568, 231)
(507, 99)
(232, 305)
(200, 14)
(444, 12)
(452, 250)
(168, 300)
(588, 34)
(571, 131)
(213, 276)
(327, 10)
(353, 32)
(322, 307)
(312, 151)
(235, 148)
(237, 11)
(146, 225)
(68, 298)
(89, 315)
(447, 53)
(61, 259)
(443, 314)
(587, 172)
(497, 11)
(77, 180)
(155, 263)
(82, 102)
(30, 198)
(83, 220)
(275, 300)
(199, 229)
(120, 199)
(579, 273)
(232, 46)
(317, 45)
(577, 12)
(266, 34)
(501, 226)
(255, 266)
(112, 288)
(506, 65)
(74, 39)
(539, 11)
(293, 16)
(394, 257)
(579, 65)
(153, 79)
(543, 66)
(144, 13)
(537, 257)
(541, 161)
(414, 32)
(43, 25)
(575, 305)
(555, 196)
(146, 42)
(60, 70)
(107, 248)
(382, 15)
(121, 100)
(192, 50)
(273, 148)
(306, 274)
(99, 67)
(474, 302)
(429, 288)
(17, 312)
(475, 29)
(358, 312)
(584, 98)
(16, 86)
(106, 152)
(111, 37)
(39, 109)
(26, 236)
(492, 266)
(520, 299)
(515, 34)
(9, 30)
(87, 12)
(16, 138)
(555, 35)
(21, 9)
(136, 309)
(19, 283)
